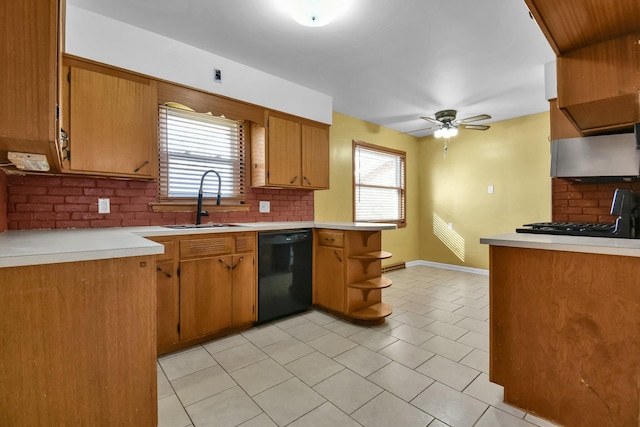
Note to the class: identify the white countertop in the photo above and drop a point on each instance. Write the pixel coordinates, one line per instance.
(33, 247)
(595, 245)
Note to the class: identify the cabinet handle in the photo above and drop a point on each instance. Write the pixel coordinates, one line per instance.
(163, 272)
(146, 162)
(294, 179)
(337, 256)
(237, 264)
(64, 149)
(307, 180)
(225, 264)
(327, 239)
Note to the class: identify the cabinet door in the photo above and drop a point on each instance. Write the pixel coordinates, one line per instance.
(244, 289)
(168, 303)
(328, 286)
(28, 76)
(284, 153)
(205, 296)
(112, 121)
(315, 157)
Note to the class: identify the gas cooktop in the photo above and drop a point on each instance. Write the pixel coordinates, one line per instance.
(570, 229)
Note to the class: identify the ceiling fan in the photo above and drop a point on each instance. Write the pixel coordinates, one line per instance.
(447, 125)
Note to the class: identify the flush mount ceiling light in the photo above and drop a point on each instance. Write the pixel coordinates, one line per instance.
(313, 13)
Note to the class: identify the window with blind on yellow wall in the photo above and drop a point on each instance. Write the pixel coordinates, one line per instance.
(192, 143)
(378, 184)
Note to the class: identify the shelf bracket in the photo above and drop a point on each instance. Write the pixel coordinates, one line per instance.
(366, 235)
(366, 263)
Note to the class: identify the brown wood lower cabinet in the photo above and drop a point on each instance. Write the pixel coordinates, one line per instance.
(78, 344)
(206, 287)
(565, 334)
(205, 296)
(347, 275)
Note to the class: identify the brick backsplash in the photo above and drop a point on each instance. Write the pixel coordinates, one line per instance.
(46, 202)
(585, 202)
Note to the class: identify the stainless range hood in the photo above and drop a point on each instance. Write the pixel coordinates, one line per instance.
(613, 157)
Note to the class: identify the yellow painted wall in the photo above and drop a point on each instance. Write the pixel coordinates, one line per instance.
(513, 156)
(336, 204)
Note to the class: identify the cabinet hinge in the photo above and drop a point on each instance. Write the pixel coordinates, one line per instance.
(69, 76)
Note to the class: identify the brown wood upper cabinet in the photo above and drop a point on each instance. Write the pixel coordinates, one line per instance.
(110, 117)
(598, 84)
(290, 153)
(28, 77)
(598, 60)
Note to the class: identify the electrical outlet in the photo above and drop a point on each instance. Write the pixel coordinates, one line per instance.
(104, 206)
(490, 189)
(217, 75)
(265, 207)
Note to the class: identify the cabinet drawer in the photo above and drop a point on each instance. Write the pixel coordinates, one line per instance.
(168, 251)
(245, 243)
(205, 247)
(331, 238)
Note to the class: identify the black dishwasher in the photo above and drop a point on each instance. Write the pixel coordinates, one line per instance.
(284, 273)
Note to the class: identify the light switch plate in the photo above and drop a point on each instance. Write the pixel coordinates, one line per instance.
(265, 207)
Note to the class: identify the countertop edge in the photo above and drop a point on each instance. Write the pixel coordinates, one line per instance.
(19, 248)
(594, 245)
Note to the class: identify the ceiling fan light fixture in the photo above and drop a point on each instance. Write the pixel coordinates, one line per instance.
(446, 132)
(314, 13)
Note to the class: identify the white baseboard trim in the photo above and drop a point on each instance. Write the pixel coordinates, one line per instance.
(449, 267)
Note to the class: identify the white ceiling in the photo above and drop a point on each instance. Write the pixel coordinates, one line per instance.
(384, 61)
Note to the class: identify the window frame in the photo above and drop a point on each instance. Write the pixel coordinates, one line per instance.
(402, 155)
(165, 203)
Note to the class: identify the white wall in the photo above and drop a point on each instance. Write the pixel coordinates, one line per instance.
(106, 40)
(550, 80)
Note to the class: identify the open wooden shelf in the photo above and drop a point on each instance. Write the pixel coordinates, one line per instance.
(373, 312)
(375, 283)
(372, 255)
(347, 275)
(367, 258)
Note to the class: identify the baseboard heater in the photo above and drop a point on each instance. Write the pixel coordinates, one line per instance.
(393, 267)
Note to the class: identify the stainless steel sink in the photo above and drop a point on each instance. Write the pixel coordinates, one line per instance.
(187, 226)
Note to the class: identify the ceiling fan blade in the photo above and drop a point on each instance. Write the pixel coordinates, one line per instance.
(475, 127)
(417, 130)
(473, 119)
(429, 119)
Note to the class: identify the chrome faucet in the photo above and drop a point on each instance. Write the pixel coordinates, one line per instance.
(200, 213)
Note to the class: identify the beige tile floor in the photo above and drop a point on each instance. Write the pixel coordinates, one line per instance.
(427, 365)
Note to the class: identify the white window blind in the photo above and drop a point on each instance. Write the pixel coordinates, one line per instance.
(192, 143)
(379, 184)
